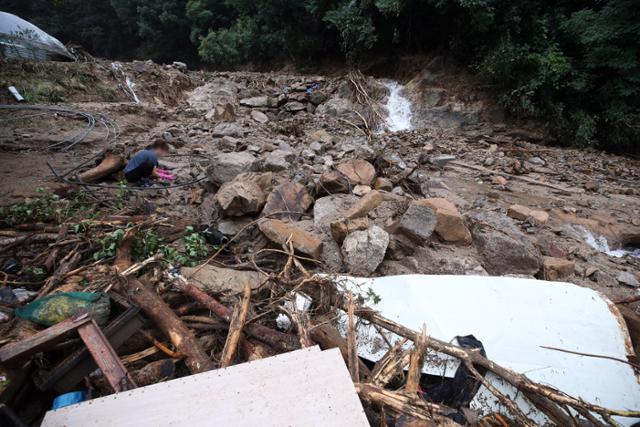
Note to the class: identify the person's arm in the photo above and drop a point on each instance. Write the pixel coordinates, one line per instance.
(154, 173)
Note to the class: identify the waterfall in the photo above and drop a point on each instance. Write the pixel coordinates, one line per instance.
(399, 108)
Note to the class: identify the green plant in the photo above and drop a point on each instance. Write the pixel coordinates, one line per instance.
(195, 244)
(109, 244)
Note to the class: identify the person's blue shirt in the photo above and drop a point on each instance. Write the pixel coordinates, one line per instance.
(141, 165)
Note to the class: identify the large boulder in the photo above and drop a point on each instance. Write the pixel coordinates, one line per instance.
(330, 208)
(418, 222)
(504, 248)
(450, 226)
(280, 232)
(225, 166)
(243, 195)
(363, 251)
(289, 197)
(218, 99)
(357, 171)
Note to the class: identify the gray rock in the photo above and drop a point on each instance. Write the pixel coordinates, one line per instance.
(245, 194)
(627, 279)
(503, 247)
(440, 161)
(418, 222)
(363, 251)
(225, 166)
(256, 101)
(228, 129)
(278, 160)
(293, 106)
(215, 93)
(259, 116)
(328, 209)
(222, 280)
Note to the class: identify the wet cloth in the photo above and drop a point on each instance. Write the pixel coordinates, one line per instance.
(141, 165)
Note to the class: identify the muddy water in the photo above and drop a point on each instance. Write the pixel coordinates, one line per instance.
(399, 108)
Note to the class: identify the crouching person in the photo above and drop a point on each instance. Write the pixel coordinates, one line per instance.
(144, 164)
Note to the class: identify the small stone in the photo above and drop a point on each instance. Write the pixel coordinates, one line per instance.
(293, 106)
(228, 129)
(259, 116)
(383, 184)
(499, 180)
(557, 268)
(278, 160)
(418, 222)
(363, 251)
(524, 213)
(627, 279)
(361, 190)
(366, 204)
(332, 182)
(322, 136)
(256, 101)
(342, 227)
(440, 161)
(590, 271)
(357, 171)
(280, 232)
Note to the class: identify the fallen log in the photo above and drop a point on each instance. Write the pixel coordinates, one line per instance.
(552, 398)
(235, 328)
(160, 313)
(110, 164)
(270, 336)
(416, 361)
(327, 336)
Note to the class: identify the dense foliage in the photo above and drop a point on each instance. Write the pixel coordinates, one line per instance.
(572, 63)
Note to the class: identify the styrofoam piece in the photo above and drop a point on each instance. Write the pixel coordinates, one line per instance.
(513, 318)
(306, 387)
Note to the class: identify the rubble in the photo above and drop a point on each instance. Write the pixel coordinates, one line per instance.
(293, 173)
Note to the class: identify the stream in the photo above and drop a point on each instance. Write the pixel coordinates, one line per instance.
(399, 108)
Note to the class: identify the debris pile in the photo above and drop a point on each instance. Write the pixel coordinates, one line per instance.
(284, 185)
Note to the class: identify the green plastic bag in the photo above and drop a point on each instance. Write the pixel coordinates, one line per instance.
(54, 309)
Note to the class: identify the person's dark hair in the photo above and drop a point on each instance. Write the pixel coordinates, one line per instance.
(159, 145)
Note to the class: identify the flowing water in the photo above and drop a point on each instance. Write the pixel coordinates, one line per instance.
(399, 108)
(600, 243)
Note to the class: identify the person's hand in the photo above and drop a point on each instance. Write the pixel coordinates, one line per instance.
(165, 175)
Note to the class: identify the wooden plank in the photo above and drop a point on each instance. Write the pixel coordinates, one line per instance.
(105, 357)
(41, 340)
(306, 388)
(67, 374)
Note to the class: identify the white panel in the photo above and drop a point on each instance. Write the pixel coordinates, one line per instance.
(302, 388)
(513, 318)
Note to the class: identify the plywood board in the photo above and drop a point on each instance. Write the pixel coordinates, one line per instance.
(307, 387)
